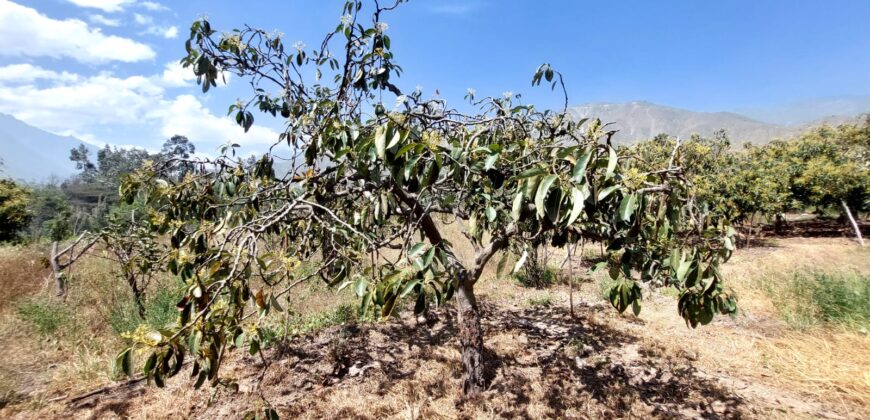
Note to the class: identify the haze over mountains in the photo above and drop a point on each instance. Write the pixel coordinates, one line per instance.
(639, 120)
(34, 155)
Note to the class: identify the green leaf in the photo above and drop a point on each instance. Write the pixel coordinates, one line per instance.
(528, 173)
(271, 414)
(489, 163)
(409, 287)
(124, 363)
(543, 188)
(149, 364)
(415, 249)
(381, 141)
(491, 214)
(520, 262)
(409, 166)
(517, 208)
(360, 287)
(397, 136)
(683, 269)
(607, 191)
(577, 199)
(423, 262)
(627, 207)
(579, 171)
(611, 162)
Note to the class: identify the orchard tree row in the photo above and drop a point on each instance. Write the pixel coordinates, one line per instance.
(825, 169)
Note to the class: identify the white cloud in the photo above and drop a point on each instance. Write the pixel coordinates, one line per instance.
(119, 110)
(153, 6)
(175, 75)
(104, 5)
(169, 32)
(26, 32)
(81, 102)
(27, 73)
(186, 115)
(142, 19)
(105, 21)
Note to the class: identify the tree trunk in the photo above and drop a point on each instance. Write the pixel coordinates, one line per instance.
(780, 223)
(138, 295)
(470, 340)
(854, 223)
(56, 270)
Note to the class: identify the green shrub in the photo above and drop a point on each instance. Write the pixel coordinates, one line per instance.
(160, 310)
(536, 278)
(544, 300)
(160, 307)
(815, 298)
(341, 315)
(123, 316)
(46, 316)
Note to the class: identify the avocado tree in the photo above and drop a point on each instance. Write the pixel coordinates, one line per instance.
(14, 216)
(830, 168)
(375, 175)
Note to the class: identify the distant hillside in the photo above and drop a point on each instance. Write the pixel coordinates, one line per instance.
(641, 120)
(830, 110)
(33, 155)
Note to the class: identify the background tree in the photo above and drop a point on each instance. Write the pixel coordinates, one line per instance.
(52, 213)
(94, 190)
(364, 181)
(14, 216)
(178, 147)
(830, 168)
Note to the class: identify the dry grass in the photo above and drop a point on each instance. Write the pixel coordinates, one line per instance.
(755, 365)
(22, 273)
(827, 365)
(55, 346)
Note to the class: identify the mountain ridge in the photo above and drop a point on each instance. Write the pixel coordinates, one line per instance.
(22, 145)
(638, 120)
(31, 154)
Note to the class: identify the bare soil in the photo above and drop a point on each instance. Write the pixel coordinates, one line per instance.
(544, 364)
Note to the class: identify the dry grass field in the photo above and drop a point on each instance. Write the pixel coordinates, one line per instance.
(792, 352)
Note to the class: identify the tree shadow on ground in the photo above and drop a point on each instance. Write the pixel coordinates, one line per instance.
(563, 367)
(820, 227)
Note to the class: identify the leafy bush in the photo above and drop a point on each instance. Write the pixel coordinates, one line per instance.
(160, 308)
(159, 311)
(341, 315)
(52, 213)
(46, 316)
(13, 210)
(545, 301)
(539, 279)
(815, 298)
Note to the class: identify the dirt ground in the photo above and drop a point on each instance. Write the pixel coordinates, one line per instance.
(543, 362)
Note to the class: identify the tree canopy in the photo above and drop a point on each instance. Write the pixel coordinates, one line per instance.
(370, 190)
(14, 216)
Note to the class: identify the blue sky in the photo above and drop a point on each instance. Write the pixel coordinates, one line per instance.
(103, 70)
